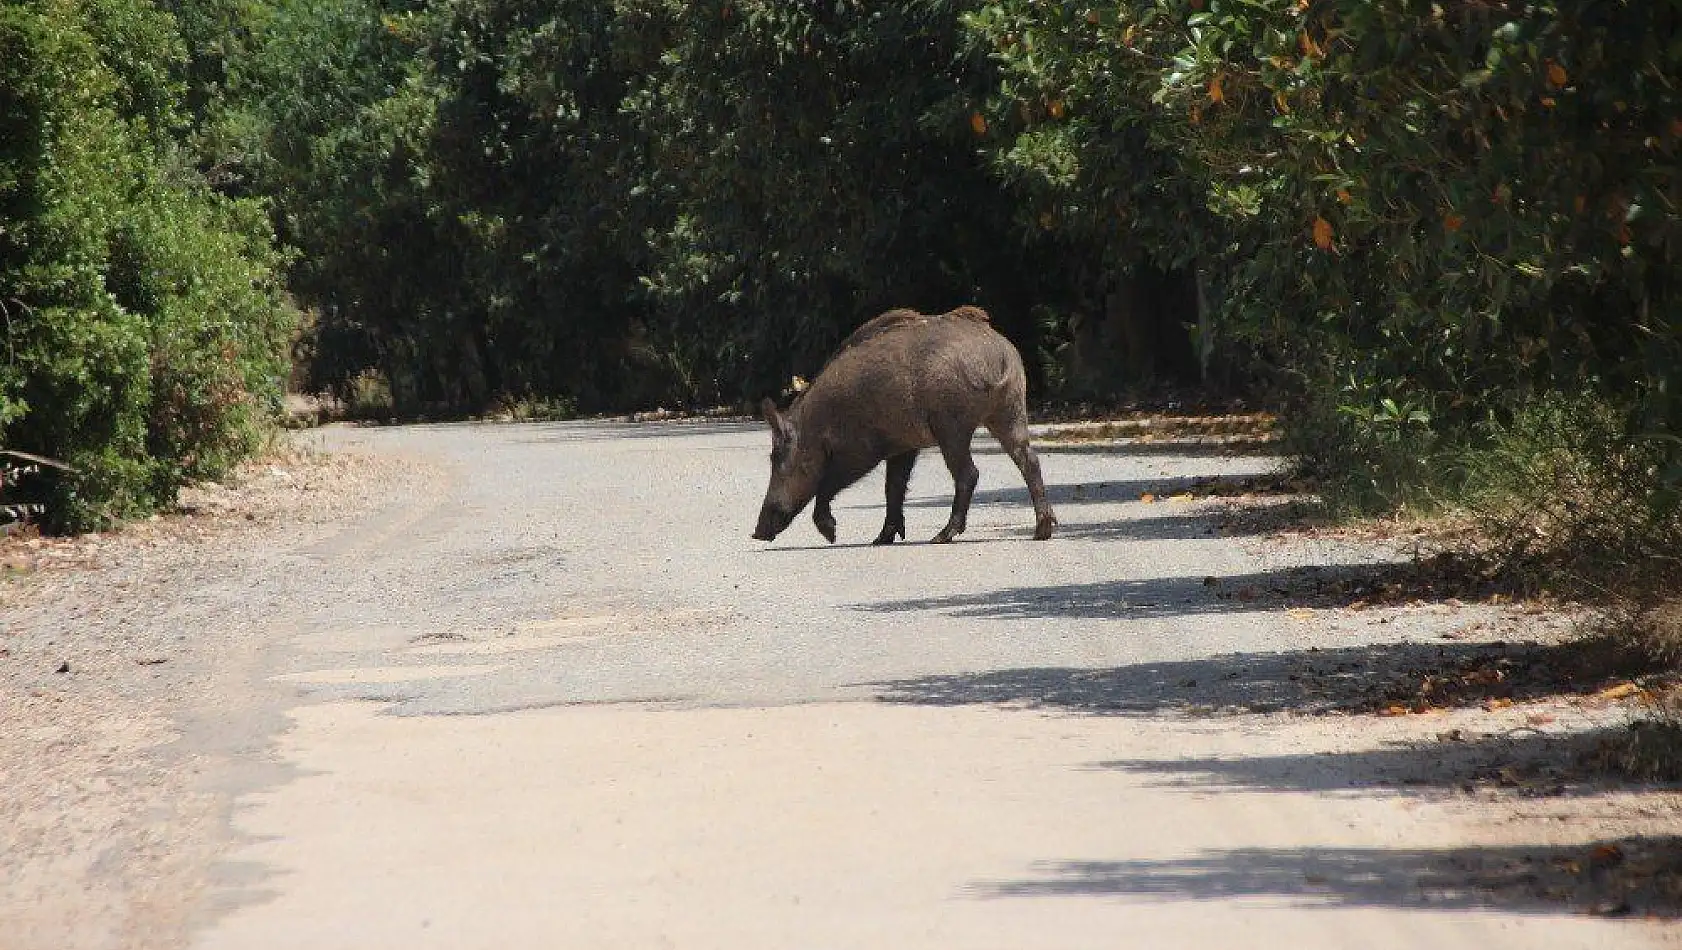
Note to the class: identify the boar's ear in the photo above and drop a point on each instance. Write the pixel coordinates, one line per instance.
(779, 422)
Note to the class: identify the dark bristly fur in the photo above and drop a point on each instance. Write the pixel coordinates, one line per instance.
(901, 319)
(900, 383)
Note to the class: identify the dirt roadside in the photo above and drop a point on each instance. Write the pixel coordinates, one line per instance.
(109, 820)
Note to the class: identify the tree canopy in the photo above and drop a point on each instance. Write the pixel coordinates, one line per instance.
(1403, 222)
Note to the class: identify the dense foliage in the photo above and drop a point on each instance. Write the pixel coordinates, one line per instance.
(822, 166)
(1407, 222)
(627, 203)
(145, 328)
(1421, 215)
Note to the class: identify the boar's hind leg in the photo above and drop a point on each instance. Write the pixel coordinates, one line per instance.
(1012, 433)
(899, 476)
(954, 447)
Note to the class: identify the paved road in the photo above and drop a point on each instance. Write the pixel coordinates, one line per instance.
(559, 698)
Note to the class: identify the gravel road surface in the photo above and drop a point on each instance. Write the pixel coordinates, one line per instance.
(534, 686)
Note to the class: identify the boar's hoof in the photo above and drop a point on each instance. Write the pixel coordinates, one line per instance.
(888, 533)
(1042, 530)
(944, 537)
(827, 529)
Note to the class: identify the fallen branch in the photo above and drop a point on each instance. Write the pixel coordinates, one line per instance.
(40, 460)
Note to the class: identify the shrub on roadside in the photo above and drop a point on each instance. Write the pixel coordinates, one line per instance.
(1565, 502)
(145, 326)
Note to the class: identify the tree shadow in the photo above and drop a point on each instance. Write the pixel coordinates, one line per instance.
(1190, 527)
(1282, 588)
(1526, 761)
(1165, 448)
(1610, 877)
(1025, 533)
(1166, 527)
(914, 542)
(1187, 527)
(1150, 597)
(1373, 677)
(1080, 493)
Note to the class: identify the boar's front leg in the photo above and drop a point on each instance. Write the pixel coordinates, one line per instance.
(824, 518)
(954, 448)
(899, 476)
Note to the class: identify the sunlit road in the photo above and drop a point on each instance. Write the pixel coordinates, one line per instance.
(560, 699)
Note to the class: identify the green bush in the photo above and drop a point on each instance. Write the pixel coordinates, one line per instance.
(1415, 217)
(145, 328)
(1562, 491)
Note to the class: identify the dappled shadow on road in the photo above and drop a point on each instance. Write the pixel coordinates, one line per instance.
(1615, 877)
(822, 545)
(1148, 597)
(1095, 492)
(1311, 586)
(1087, 493)
(1167, 528)
(1167, 521)
(1641, 876)
(1108, 600)
(1165, 448)
(1525, 761)
(1186, 527)
(1025, 534)
(1373, 677)
(1438, 579)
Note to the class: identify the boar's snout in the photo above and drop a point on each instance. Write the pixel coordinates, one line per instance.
(772, 521)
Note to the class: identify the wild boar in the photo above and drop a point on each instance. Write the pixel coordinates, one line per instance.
(899, 384)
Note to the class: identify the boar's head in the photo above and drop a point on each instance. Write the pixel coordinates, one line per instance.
(795, 470)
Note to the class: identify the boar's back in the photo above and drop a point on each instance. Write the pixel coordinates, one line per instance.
(902, 319)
